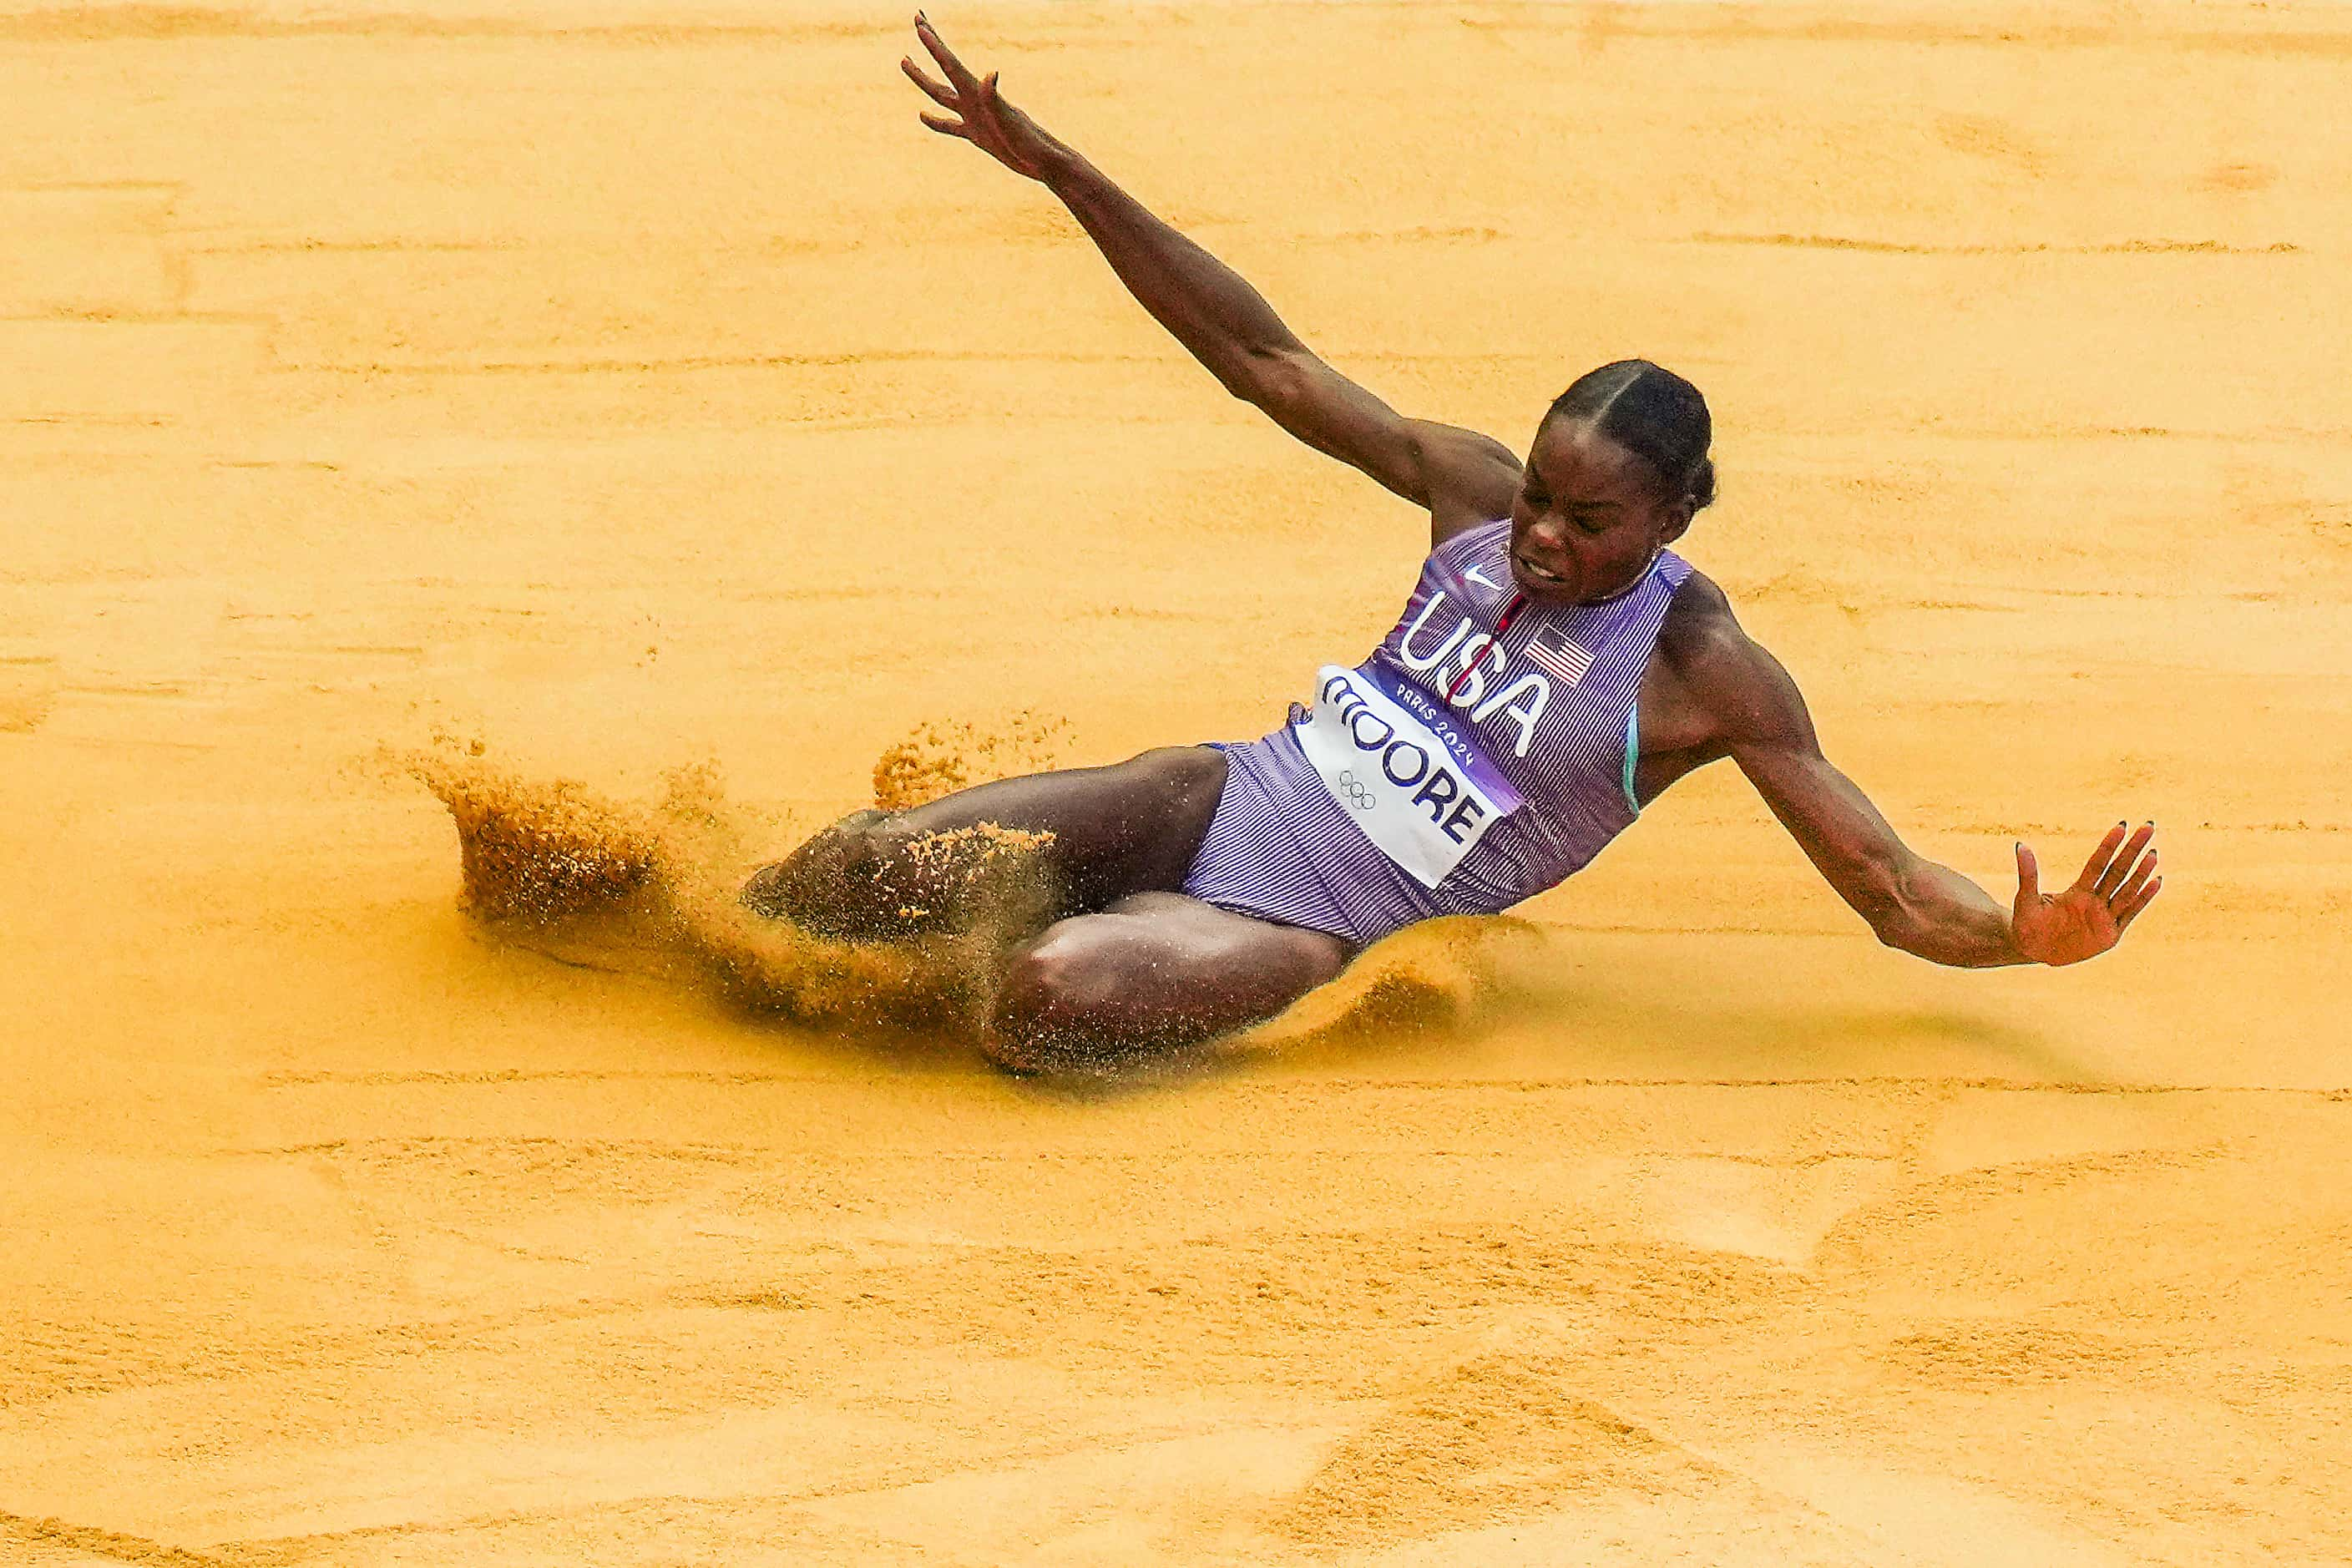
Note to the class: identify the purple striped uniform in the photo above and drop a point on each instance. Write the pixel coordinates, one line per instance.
(1451, 773)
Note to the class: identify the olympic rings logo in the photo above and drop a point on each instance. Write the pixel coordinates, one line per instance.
(1354, 790)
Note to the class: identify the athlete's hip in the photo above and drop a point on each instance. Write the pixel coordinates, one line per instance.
(1284, 846)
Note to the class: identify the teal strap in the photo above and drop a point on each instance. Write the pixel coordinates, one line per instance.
(1632, 753)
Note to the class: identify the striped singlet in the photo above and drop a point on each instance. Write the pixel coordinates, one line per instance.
(1455, 771)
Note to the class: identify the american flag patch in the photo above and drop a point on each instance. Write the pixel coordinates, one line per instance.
(1552, 650)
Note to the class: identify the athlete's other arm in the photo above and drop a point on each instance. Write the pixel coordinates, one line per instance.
(1759, 718)
(1462, 477)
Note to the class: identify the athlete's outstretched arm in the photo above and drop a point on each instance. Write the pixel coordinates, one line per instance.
(1462, 477)
(1911, 902)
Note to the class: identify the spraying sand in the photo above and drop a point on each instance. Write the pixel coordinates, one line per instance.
(631, 387)
(554, 868)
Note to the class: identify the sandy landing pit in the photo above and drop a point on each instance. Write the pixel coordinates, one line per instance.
(646, 392)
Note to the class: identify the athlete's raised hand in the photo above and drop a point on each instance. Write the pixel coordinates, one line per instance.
(979, 115)
(2117, 882)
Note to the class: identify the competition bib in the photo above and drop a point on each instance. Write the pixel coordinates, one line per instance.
(1405, 768)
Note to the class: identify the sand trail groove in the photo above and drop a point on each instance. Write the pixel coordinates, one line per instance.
(643, 391)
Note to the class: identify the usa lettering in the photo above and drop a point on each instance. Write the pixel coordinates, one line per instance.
(1467, 667)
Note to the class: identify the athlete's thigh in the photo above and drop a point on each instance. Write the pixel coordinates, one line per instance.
(1133, 826)
(1153, 970)
(1104, 833)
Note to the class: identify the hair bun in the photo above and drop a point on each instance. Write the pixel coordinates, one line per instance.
(1702, 485)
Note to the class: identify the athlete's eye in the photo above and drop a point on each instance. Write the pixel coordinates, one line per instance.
(1537, 499)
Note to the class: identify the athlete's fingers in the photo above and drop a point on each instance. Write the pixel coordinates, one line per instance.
(2130, 911)
(2123, 864)
(2097, 863)
(2029, 877)
(2130, 887)
(942, 124)
(962, 78)
(938, 91)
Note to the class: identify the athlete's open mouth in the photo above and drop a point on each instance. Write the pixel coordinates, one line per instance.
(1538, 573)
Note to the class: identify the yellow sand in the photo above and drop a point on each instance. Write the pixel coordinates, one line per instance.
(640, 391)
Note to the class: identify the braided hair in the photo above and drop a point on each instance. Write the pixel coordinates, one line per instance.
(1653, 414)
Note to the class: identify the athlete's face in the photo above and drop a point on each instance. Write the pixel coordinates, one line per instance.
(1587, 519)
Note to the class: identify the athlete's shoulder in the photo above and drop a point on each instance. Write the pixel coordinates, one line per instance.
(1699, 625)
(1720, 672)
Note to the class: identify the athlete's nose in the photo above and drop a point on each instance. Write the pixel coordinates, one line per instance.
(1545, 543)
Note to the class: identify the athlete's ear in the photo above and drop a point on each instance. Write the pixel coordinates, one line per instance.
(1678, 521)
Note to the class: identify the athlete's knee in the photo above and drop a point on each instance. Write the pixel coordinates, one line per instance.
(1058, 1009)
(830, 884)
(1040, 1009)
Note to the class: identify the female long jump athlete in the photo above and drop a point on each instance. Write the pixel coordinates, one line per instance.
(1556, 668)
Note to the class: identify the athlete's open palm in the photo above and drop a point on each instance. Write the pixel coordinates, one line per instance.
(977, 114)
(2117, 882)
